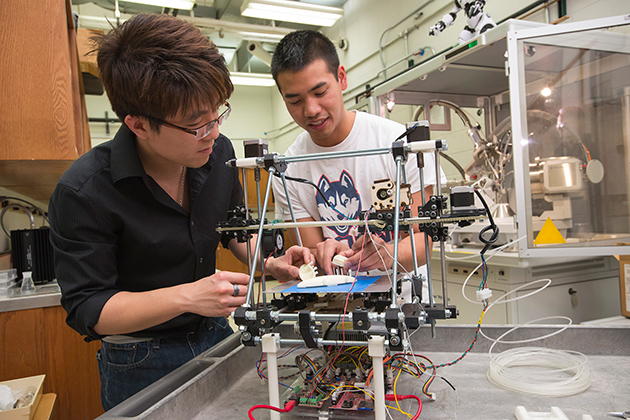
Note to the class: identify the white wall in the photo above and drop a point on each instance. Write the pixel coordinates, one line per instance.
(365, 21)
(251, 117)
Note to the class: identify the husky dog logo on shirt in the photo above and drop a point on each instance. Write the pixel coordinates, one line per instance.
(344, 197)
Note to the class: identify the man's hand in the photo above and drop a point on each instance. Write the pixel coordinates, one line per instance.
(214, 295)
(287, 267)
(327, 250)
(375, 253)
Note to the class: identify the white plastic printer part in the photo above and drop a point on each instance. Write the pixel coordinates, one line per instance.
(307, 272)
(339, 260)
(333, 280)
(483, 294)
(521, 414)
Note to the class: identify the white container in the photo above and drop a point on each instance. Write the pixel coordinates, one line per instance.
(24, 413)
(8, 276)
(7, 279)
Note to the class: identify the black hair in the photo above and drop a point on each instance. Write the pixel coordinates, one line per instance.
(159, 66)
(299, 49)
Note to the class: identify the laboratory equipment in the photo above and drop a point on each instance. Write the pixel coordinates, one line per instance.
(27, 288)
(381, 320)
(551, 140)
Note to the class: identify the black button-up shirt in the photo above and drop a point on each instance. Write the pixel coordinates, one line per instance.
(115, 229)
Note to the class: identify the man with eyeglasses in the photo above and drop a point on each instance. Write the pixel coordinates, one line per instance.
(133, 220)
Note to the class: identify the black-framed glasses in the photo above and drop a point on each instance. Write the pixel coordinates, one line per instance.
(202, 132)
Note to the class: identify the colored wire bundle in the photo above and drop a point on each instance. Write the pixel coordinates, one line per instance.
(260, 369)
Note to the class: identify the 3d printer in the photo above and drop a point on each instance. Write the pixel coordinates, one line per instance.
(379, 324)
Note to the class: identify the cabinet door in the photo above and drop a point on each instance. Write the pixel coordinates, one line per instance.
(252, 200)
(583, 301)
(36, 88)
(38, 341)
(43, 119)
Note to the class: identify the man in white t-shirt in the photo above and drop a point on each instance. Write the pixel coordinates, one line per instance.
(311, 81)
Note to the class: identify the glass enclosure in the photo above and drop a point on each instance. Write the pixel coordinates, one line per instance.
(571, 139)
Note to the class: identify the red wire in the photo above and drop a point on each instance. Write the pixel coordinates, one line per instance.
(288, 407)
(345, 306)
(392, 397)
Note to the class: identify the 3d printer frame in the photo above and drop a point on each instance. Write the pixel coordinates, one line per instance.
(257, 324)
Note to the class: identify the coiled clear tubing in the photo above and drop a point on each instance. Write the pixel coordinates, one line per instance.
(540, 371)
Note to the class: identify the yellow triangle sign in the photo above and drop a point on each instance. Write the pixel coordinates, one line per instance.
(549, 234)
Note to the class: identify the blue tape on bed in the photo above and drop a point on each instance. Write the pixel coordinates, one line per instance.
(362, 283)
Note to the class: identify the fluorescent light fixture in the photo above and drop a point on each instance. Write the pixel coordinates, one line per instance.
(260, 36)
(173, 4)
(252, 79)
(292, 11)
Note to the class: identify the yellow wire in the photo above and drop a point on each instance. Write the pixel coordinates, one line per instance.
(345, 356)
(395, 393)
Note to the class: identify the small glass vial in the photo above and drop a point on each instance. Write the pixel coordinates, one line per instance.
(28, 287)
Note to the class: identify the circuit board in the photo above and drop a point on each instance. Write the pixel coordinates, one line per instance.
(348, 396)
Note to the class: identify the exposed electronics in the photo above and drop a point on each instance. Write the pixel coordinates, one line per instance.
(33, 252)
(256, 148)
(383, 194)
(378, 320)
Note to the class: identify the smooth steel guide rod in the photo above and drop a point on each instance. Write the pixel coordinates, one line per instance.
(379, 223)
(252, 272)
(415, 147)
(286, 194)
(414, 257)
(261, 217)
(249, 245)
(292, 317)
(399, 165)
(320, 342)
(427, 249)
(442, 247)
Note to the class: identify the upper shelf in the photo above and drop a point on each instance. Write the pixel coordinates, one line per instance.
(476, 68)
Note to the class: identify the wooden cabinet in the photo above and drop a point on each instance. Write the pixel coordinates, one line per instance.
(252, 199)
(225, 260)
(38, 341)
(43, 120)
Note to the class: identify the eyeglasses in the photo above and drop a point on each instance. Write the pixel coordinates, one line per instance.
(202, 132)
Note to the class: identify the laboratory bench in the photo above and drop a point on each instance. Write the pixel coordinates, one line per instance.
(45, 296)
(223, 383)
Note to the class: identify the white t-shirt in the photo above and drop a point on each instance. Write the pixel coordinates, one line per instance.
(346, 182)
